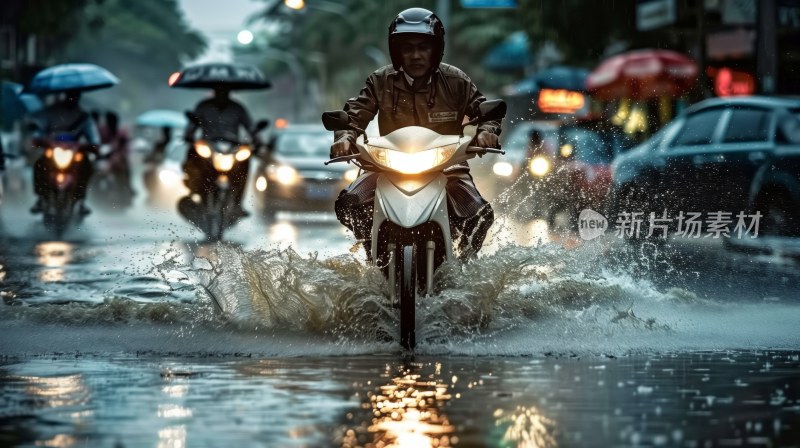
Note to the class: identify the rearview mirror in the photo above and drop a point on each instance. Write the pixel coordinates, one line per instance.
(261, 125)
(337, 120)
(492, 110)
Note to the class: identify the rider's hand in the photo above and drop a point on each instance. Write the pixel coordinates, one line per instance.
(487, 140)
(342, 147)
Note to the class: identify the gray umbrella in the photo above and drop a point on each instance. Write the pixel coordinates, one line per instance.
(221, 75)
(60, 78)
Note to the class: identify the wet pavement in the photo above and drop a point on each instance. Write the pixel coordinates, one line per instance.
(134, 332)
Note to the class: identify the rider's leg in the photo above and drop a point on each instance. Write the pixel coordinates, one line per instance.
(471, 216)
(354, 209)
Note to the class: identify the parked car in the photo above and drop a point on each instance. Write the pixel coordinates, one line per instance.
(731, 155)
(293, 176)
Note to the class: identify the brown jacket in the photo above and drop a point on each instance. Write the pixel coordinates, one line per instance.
(439, 105)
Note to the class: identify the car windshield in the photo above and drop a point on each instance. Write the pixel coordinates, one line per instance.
(297, 144)
(590, 146)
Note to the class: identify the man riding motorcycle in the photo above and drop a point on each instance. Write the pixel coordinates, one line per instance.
(417, 89)
(64, 117)
(218, 118)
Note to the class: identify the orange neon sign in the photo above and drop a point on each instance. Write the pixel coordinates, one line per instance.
(560, 101)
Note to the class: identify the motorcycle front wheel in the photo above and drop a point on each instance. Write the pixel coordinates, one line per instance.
(407, 282)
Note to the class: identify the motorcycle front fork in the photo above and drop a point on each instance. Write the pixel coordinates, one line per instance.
(430, 249)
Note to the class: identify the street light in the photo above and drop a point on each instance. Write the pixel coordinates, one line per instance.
(295, 4)
(245, 37)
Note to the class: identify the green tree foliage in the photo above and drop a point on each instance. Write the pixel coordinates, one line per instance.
(343, 39)
(142, 42)
(581, 29)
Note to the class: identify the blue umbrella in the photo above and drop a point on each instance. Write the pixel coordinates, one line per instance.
(562, 77)
(512, 54)
(65, 77)
(16, 105)
(160, 118)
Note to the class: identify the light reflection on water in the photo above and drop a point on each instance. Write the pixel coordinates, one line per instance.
(53, 256)
(408, 412)
(724, 398)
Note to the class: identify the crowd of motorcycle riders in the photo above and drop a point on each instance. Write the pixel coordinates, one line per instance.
(76, 147)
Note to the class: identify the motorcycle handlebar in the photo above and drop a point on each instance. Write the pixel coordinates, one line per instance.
(481, 151)
(343, 159)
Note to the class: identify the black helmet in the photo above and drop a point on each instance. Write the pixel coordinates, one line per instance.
(416, 21)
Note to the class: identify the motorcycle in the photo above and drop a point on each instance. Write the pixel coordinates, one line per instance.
(411, 227)
(212, 210)
(64, 158)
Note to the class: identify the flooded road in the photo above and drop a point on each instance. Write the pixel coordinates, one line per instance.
(133, 332)
(697, 399)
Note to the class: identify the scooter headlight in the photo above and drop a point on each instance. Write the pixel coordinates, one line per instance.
(243, 153)
(413, 163)
(62, 157)
(202, 149)
(223, 162)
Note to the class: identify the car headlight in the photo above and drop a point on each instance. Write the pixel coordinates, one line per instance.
(283, 174)
(169, 178)
(223, 162)
(539, 166)
(503, 169)
(243, 153)
(412, 163)
(62, 157)
(202, 149)
(351, 175)
(261, 183)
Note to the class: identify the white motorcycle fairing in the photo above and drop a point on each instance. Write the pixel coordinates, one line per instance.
(410, 202)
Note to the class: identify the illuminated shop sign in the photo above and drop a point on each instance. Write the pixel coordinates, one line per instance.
(729, 82)
(560, 101)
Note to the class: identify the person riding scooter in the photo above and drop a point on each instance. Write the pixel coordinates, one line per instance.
(218, 118)
(417, 89)
(64, 118)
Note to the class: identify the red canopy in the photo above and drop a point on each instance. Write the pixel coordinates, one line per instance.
(643, 74)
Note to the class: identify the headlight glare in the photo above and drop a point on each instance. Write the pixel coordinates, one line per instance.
(62, 157)
(243, 153)
(203, 150)
(539, 166)
(223, 162)
(503, 169)
(412, 163)
(283, 174)
(351, 175)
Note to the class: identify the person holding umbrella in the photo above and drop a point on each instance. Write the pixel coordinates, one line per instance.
(66, 118)
(218, 118)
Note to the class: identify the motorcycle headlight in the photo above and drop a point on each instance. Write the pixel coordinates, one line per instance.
(223, 162)
(539, 166)
(62, 157)
(202, 149)
(412, 163)
(243, 153)
(283, 174)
